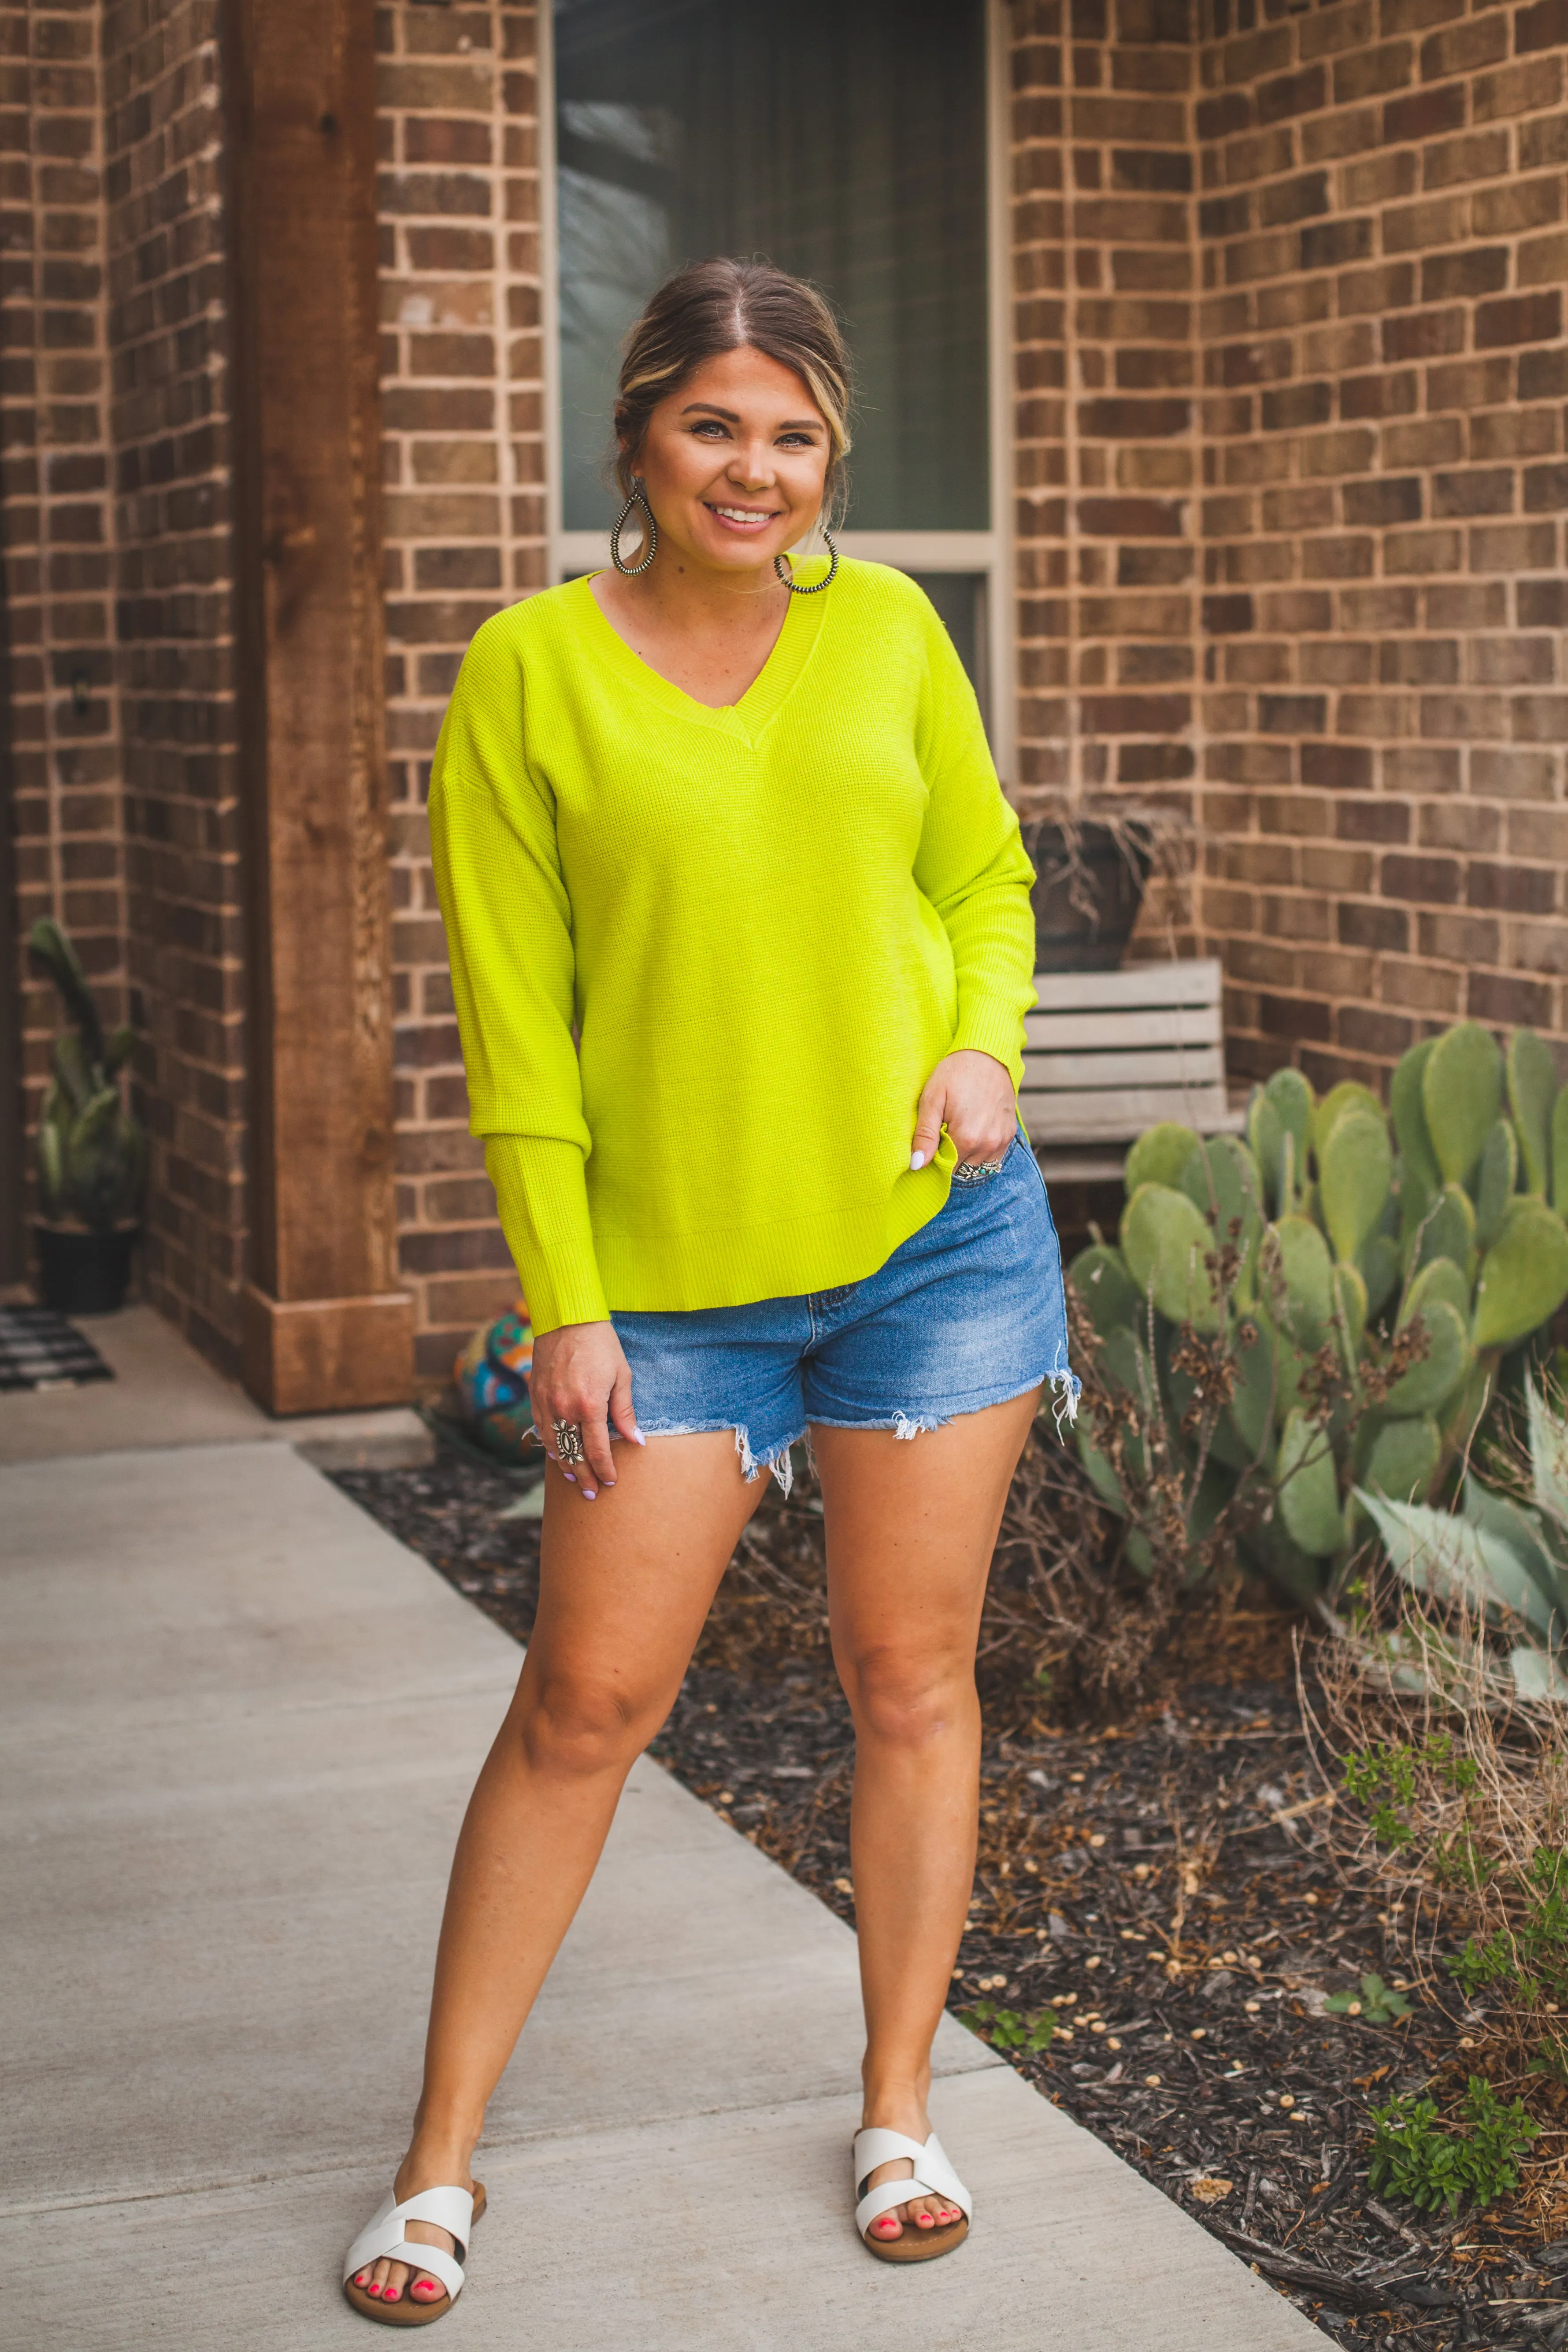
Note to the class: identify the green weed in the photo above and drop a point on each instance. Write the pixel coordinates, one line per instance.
(1431, 2163)
(1005, 2029)
(1376, 2002)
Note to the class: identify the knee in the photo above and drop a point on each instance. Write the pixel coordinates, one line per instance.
(578, 1725)
(908, 1698)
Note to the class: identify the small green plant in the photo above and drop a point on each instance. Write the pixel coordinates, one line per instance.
(92, 1154)
(1384, 1777)
(1530, 1959)
(1375, 2002)
(1431, 2163)
(1005, 2029)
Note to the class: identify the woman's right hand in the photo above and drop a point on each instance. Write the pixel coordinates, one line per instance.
(580, 1374)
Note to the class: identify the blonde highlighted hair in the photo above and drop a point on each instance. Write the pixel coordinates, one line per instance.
(725, 305)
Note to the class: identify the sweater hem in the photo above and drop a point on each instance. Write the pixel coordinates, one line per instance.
(788, 1260)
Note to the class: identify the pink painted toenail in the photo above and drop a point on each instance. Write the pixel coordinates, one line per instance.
(373, 2288)
(926, 2223)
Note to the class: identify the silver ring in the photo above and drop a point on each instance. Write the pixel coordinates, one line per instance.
(568, 1440)
(978, 1168)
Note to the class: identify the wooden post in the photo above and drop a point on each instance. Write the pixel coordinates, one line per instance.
(324, 1323)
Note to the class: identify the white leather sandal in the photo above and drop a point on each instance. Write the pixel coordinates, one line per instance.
(382, 2239)
(934, 2176)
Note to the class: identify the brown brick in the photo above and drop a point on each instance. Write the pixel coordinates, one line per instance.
(1424, 113)
(1479, 155)
(1290, 95)
(1541, 26)
(1462, 277)
(1423, 335)
(1423, 881)
(1522, 319)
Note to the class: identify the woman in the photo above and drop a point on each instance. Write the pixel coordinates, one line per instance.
(740, 941)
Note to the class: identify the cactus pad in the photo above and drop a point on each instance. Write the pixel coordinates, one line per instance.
(1531, 1095)
(1298, 1267)
(1349, 1094)
(1098, 1275)
(1223, 1182)
(1381, 1268)
(1355, 1162)
(1403, 1458)
(1294, 1102)
(1524, 1274)
(1560, 1153)
(1448, 1230)
(1496, 1174)
(1428, 1385)
(1167, 1244)
(1438, 1278)
(1461, 1094)
(1308, 1486)
(1408, 1112)
(1160, 1155)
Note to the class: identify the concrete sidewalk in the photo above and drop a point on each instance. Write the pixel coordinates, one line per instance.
(237, 1727)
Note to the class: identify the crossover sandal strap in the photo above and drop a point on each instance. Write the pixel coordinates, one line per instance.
(383, 2237)
(934, 2176)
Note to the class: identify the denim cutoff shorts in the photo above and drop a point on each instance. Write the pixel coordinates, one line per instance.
(968, 1312)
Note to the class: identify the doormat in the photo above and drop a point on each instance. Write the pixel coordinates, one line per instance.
(39, 1349)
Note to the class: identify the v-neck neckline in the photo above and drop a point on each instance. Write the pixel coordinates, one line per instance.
(748, 716)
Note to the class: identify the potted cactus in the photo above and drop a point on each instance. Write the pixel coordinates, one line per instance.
(1324, 1310)
(90, 1153)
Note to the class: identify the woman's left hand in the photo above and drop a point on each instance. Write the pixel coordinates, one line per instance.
(971, 1095)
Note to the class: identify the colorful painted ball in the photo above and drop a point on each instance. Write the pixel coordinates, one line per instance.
(491, 1378)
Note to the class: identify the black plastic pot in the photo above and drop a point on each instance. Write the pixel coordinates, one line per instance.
(82, 1273)
(1083, 919)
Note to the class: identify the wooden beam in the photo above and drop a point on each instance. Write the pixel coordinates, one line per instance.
(300, 86)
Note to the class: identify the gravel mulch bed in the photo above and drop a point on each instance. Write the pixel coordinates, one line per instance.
(1163, 1881)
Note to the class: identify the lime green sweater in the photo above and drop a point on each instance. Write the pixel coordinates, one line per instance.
(766, 924)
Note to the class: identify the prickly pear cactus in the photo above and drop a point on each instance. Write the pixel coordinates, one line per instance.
(1324, 1309)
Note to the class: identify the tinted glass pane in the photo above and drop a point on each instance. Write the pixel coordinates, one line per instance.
(842, 138)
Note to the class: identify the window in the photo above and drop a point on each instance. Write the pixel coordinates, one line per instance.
(847, 143)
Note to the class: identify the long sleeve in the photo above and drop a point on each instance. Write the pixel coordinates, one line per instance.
(508, 939)
(972, 864)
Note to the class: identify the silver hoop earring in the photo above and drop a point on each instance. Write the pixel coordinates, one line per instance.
(637, 496)
(794, 585)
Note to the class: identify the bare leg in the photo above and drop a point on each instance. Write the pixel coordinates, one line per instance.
(625, 1586)
(911, 1527)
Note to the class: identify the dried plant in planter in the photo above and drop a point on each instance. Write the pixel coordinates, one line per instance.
(1094, 859)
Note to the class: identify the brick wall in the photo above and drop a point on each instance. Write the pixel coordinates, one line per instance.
(464, 519)
(65, 852)
(1385, 194)
(1107, 411)
(167, 278)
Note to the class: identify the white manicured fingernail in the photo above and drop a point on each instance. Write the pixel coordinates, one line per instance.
(638, 1437)
(917, 1160)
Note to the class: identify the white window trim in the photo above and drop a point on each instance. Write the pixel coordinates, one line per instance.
(989, 553)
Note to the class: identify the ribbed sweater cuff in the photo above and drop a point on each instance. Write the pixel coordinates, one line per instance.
(543, 1197)
(989, 1025)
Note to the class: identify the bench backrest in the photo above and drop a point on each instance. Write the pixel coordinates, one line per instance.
(1110, 1052)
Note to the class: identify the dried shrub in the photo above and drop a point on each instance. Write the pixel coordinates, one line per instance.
(1456, 1798)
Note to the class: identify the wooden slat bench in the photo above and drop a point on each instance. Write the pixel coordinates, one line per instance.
(1110, 1052)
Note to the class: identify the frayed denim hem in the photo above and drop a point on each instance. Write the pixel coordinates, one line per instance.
(751, 1465)
(1064, 1411)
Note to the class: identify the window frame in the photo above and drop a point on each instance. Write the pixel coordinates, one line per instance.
(988, 553)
